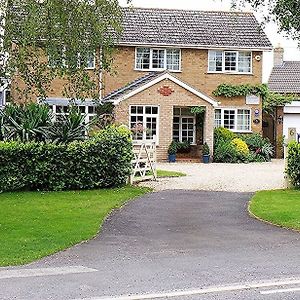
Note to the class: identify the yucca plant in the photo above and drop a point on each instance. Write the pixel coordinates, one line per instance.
(69, 127)
(26, 122)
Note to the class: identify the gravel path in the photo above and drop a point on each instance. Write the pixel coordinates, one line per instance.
(223, 177)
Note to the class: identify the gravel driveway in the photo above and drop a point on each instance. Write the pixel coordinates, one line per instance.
(223, 177)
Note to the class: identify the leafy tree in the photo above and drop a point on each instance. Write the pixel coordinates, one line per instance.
(286, 13)
(62, 33)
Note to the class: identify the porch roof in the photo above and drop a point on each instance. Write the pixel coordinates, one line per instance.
(149, 80)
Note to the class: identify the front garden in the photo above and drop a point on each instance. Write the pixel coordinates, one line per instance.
(230, 147)
(282, 207)
(51, 173)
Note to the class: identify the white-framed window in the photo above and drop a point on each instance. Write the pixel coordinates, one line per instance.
(90, 64)
(184, 124)
(144, 122)
(235, 119)
(157, 59)
(60, 61)
(229, 61)
(60, 110)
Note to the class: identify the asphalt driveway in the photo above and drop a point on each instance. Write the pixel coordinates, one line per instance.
(167, 241)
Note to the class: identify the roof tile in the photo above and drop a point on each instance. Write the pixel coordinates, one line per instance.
(286, 78)
(188, 28)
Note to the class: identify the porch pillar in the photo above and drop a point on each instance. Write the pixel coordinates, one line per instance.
(209, 128)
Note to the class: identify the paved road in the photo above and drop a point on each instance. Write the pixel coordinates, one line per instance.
(165, 242)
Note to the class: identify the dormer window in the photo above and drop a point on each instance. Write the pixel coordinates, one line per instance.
(152, 59)
(229, 61)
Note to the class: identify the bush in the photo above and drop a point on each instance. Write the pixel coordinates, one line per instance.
(101, 161)
(261, 147)
(241, 147)
(293, 164)
(222, 133)
(205, 150)
(225, 152)
(172, 148)
(183, 147)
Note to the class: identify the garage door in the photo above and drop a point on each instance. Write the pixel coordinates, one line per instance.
(291, 121)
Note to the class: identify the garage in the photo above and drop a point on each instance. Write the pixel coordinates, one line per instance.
(291, 118)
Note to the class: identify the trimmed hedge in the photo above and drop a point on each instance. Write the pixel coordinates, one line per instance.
(102, 161)
(293, 164)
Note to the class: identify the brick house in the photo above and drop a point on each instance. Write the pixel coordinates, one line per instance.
(168, 61)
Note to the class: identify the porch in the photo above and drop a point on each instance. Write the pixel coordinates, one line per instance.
(188, 133)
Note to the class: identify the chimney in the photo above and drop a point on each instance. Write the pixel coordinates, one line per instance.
(278, 56)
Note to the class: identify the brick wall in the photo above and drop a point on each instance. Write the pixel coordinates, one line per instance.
(194, 64)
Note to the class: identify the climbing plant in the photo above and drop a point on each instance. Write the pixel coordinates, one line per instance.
(270, 100)
(199, 111)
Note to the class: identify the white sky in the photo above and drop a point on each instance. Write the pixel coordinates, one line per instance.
(290, 46)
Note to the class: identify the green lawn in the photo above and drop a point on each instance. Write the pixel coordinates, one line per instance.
(35, 224)
(280, 207)
(163, 173)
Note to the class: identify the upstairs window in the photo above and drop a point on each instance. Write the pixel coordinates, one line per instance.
(229, 61)
(60, 61)
(157, 59)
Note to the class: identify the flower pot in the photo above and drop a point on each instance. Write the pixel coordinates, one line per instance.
(206, 158)
(172, 158)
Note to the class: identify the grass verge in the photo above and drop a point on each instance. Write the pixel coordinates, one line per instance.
(163, 173)
(35, 224)
(280, 207)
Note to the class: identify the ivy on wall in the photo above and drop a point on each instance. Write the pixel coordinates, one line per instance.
(270, 100)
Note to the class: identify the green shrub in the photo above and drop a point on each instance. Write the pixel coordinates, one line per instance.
(241, 147)
(293, 164)
(101, 161)
(222, 133)
(172, 148)
(205, 150)
(261, 147)
(225, 152)
(183, 147)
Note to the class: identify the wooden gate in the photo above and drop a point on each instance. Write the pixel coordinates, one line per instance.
(144, 162)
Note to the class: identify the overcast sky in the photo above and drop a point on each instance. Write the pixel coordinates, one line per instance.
(290, 46)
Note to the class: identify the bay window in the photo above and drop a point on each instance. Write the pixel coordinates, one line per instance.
(144, 122)
(229, 61)
(235, 119)
(157, 59)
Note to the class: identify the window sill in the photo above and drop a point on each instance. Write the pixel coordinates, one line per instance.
(157, 70)
(230, 73)
(242, 131)
(139, 143)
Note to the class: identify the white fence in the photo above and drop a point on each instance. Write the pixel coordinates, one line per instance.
(144, 162)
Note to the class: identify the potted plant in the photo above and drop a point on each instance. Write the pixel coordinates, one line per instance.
(172, 152)
(206, 153)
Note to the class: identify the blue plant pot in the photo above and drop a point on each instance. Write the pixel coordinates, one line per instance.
(172, 158)
(206, 159)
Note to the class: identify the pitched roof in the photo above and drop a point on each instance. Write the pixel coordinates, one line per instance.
(115, 95)
(149, 80)
(286, 78)
(201, 29)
